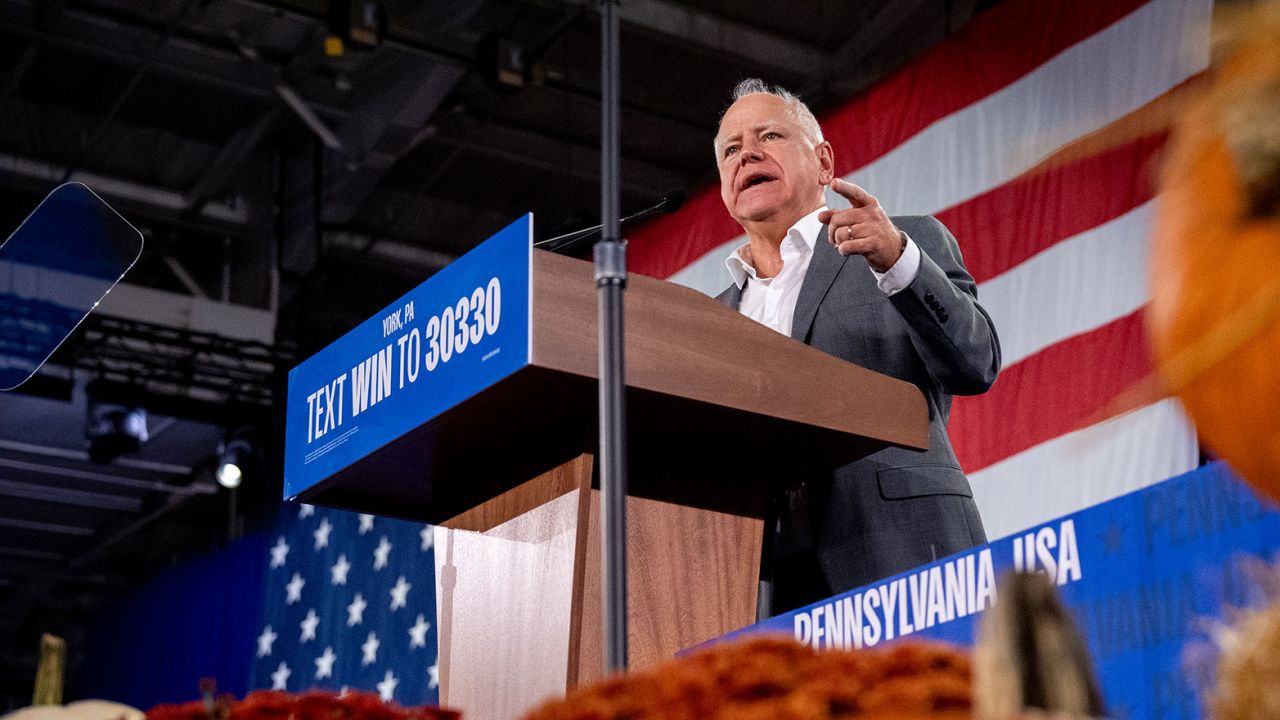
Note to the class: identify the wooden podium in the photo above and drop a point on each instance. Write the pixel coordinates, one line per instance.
(715, 402)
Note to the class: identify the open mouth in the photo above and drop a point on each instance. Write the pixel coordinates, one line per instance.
(756, 179)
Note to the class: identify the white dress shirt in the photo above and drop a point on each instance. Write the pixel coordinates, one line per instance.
(772, 301)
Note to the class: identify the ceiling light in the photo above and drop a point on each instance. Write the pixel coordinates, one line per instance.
(114, 430)
(233, 457)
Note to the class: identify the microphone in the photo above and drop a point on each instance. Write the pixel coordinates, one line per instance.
(668, 203)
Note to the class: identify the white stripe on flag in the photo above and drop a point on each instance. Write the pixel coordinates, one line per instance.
(1082, 89)
(1086, 467)
(708, 274)
(1082, 283)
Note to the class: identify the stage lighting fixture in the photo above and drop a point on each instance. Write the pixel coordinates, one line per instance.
(114, 430)
(355, 23)
(233, 458)
(502, 62)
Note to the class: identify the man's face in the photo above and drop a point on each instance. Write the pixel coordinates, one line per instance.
(769, 169)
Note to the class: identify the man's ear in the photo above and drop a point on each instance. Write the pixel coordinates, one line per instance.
(826, 162)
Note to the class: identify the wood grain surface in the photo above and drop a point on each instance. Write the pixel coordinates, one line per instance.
(692, 576)
(681, 343)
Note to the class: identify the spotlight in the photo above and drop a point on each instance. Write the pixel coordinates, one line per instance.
(114, 430)
(233, 457)
(503, 62)
(355, 23)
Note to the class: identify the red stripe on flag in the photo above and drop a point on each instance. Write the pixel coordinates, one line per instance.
(996, 48)
(1005, 226)
(993, 50)
(1051, 393)
(663, 246)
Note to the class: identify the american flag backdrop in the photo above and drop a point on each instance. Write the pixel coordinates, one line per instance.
(349, 604)
(1033, 133)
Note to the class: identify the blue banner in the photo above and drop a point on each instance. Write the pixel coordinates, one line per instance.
(1142, 574)
(461, 331)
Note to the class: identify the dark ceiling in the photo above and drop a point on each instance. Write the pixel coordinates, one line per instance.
(286, 194)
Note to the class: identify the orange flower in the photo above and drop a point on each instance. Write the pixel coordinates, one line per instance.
(768, 678)
(313, 705)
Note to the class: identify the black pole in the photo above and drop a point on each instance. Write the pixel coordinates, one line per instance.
(611, 282)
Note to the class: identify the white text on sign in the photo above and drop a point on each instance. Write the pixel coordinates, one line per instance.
(445, 335)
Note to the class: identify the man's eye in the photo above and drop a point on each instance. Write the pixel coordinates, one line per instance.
(730, 150)
(771, 135)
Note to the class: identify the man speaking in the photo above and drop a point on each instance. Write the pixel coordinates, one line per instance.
(887, 293)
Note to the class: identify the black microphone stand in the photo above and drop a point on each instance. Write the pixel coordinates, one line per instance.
(611, 282)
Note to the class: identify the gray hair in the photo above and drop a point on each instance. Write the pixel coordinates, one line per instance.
(799, 111)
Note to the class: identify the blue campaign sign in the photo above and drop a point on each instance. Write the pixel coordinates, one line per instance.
(1142, 573)
(461, 331)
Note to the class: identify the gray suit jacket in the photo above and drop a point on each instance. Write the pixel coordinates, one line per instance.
(897, 508)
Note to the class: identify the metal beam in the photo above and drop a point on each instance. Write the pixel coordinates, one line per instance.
(140, 70)
(171, 204)
(309, 117)
(45, 19)
(196, 62)
(385, 127)
(30, 554)
(219, 172)
(19, 71)
(718, 34)
(81, 455)
(105, 479)
(410, 258)
(67, 496)
(183, 276)
(712, 33)
(532, 148)
(46, 527)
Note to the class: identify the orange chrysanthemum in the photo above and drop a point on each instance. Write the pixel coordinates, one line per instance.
(779, 679)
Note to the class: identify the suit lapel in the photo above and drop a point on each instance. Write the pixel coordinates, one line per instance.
(823, 268)
(731, 297)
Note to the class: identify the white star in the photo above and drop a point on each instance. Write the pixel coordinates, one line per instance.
(381, 553)
(428, 535)
(322, 533)
(280, 677)
(265, 640)
(400, 593)
(387, 688)
(355, 611)
(278, 552)
(293, 591)
(370, 648)
(366, 523)
(339, 571)
(434, 673)
(418, 633)
(306, 511)
(309, 625)
(324, 664)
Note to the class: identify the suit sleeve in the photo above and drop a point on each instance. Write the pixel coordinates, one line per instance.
(949, 329)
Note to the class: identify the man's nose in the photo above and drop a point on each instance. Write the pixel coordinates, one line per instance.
(750, 153)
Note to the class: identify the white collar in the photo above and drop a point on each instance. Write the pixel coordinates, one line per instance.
(806, 229)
